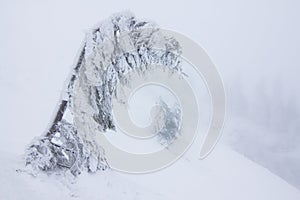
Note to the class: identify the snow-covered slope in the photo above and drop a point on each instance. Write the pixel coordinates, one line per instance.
(223, 175)
(39, 41)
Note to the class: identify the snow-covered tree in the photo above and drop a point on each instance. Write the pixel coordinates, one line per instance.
(118, 45)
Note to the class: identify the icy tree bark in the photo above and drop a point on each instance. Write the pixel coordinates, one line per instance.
(69, 144)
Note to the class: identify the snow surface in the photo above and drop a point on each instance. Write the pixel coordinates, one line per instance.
(223, 175)
(255, 44)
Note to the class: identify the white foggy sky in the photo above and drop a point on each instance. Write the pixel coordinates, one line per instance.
(255, 45)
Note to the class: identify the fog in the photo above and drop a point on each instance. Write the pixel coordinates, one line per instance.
(254, 44)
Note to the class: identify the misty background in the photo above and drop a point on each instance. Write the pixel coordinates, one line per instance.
(254, 44)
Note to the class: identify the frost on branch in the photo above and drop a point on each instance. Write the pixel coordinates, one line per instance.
(168, 123)
(117, 46)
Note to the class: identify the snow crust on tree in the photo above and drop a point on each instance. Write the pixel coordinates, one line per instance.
(167, 126)
(115, 47)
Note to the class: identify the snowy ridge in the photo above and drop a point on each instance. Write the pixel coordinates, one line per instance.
(224, 175)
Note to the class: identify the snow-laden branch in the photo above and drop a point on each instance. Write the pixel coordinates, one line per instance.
(118, 45)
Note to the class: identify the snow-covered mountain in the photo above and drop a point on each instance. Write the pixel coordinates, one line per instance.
(40, 40)
(225, 174)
